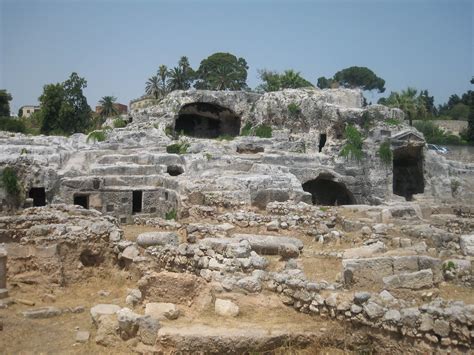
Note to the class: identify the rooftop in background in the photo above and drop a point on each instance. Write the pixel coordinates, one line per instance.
(28, 110)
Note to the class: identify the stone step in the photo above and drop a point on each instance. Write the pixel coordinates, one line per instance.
(127, 169)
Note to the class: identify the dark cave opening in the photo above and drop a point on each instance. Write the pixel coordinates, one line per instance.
(408, 176)
(329, 193)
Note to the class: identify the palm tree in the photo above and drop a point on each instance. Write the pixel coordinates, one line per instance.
(291, 79)
(108, 108)
(152, 87)
(176, 79)
(408, 102)
(163, 78)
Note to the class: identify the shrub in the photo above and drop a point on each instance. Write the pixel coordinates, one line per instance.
(247, 130)
(168, 130)
(12, 125)
(447, 266)
(393, 122)
(263, 131)
(119, 123)
(97, 136)
(171, 215)
(294, 109)
(10, 182)
(435, 135)
(385, 153)
(353, 147)
(177, 148)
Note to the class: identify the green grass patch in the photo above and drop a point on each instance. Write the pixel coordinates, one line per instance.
(120, 123)
(10, 182)
(247, 129)
(177, 148)
(294, 109)
(393, 122)
(172, 214)
(385, 153)
(97, 136)
(353, 147)
(263, 131)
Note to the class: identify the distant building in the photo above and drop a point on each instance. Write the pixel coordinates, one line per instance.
(121, 108)
(27, 110)
(142, 102)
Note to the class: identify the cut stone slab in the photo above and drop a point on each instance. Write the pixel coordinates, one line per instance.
(3, 293)
(158, 310)
(272, 245)
(40, 313)
(82, 336)
(226, 308)
(364, 251)
(103, 310)
(149, 239)
(413, 280)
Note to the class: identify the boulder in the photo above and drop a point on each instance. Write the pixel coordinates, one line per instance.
(286, 247)
(103, 309)
(149, 239)
(160, 311)
(262, 197)
(226, 308)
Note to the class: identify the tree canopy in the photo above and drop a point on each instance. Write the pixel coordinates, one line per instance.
(354, 77)
(5, 99)
(222, 71)
(289, 79)
(64, 107)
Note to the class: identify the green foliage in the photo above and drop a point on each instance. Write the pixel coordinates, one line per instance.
(23, 151)
(172, 214)
(448, 266)
(5, 99)
(97, 136)
(353, 147)
(455, 184)
(385, 153)
(12, 125)
(263, 131)
(407, 100)
(325, 83)
(169, 131)
(289, 79)
(470, 124)
(107, 104)
(247, 129)
(435, 135)
(177, 148)
(10, 182)
(393, 122)
(294, 109)
(152, 87)
(64, 107)
(119, 123)
(222, 71)
(182, 76)
(353, 77)
(324, 209)
(361, 77)
(208, 156)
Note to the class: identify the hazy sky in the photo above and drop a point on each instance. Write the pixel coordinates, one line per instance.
(117, 45)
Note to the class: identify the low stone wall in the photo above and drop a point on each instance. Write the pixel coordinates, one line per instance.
(55, 242)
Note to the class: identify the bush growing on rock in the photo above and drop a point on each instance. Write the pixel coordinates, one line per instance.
(353, 147)
(177, 148)
(12, 125)
(119, 123)
(385, 153)
(263, 131)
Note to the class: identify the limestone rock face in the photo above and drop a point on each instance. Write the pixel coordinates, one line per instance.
(467, 244)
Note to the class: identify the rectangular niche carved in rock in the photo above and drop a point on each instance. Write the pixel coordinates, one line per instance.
(137, 199)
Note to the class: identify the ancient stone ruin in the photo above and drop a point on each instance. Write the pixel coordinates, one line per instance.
(190, 230)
